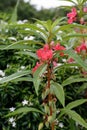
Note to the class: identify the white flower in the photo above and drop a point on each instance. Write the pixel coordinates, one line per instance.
(25, 102)
(2, 73)
(29, 38)
(20, 22)
(25, 21)
(58, 111)
(12, 109)
(22, 67)
(61, 125)
(64, 60)
(1, 78)
(8, 65)
(59, 64)
(11, 119)
(13, 124)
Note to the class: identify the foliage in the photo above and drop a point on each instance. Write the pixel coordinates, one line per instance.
(44, 72)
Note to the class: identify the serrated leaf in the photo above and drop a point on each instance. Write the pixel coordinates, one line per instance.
(59, 92)
(14, 76)
(37, 76)
(23, 110)
(75, 103)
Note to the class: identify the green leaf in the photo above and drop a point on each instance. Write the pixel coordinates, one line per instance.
(73, 79)
(76, 117)
(66, 65)
(75, 103)
(46, 24)
(14, 15)
(27, 79)
(28, 53)
(69, 26)
(22, 44)
(59, 92)
(75, 35)
(37, 76)
(77, 58)
(82, 88)
(23, 110)
(56, 22)
(15, 76)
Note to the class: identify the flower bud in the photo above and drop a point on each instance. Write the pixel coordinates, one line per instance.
(46, 109)
(40, 126)
(50, 118)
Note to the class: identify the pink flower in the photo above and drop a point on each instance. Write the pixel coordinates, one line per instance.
(85, 9)
(45, 53)
(70, 60)
(72, 15)
(58, 47)
(36, 67)
(80, 48)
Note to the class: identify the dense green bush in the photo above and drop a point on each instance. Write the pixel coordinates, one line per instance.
(52, 93)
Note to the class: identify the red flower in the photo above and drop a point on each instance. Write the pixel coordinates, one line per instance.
(70, 60)
(72, 15)
(58, 47)
(45, 53)
(80, 48)
(36, 67)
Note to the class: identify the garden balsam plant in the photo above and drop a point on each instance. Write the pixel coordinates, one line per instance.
(49, 56)
(57, 43)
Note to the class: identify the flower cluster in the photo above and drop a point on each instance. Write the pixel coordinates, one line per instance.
(46, 54)
(81, 48)
(72, 15)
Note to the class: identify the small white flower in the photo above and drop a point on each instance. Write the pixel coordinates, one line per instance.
(64, 60)
(1, 78)
(2, 73)
(29, 38)
(8, 65)
(13, 124)
(11, 119)
(20, 22)
(22, 67)
(25, 21)
(12, 109)
(59, 64)
(61, 125)
(26, 38)
(56, 121)
(58, 111)
(25, 102)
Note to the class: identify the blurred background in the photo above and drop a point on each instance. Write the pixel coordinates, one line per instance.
(30, 9)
